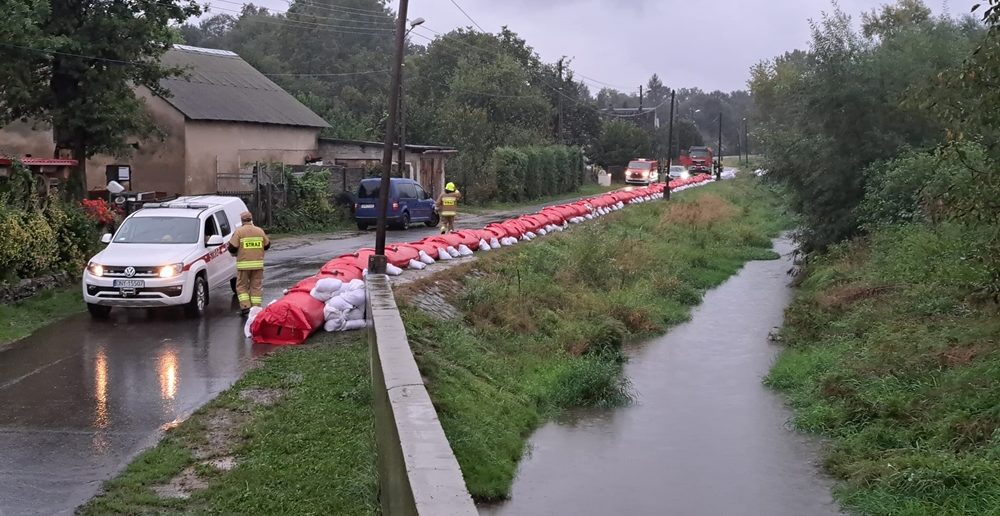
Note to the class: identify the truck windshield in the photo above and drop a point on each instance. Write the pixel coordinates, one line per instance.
(639, 165)
(158, 230)
(369, 189)
(699, 154)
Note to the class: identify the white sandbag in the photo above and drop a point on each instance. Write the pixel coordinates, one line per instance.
(392, 270)
(443, 254)
(414, 264)
(588, 217)
(463, 250)
(356, 314)
(334, 325)
(355, 325)
(495, 243)
(331, 312)
(332, 285)
(453, 252)
(532, 235)
(557, 228)
(336, 304)
(354, 284)
(254, 312)
(322, 297)
(484, 245)
(355, 297)
(508, 241)
(426, 258)
(542, 231)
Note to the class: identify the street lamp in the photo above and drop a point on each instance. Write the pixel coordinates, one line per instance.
(401, 160)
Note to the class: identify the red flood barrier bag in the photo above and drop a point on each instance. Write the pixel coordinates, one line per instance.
(288, 321)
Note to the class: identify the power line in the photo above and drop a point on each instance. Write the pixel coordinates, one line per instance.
(469, 17)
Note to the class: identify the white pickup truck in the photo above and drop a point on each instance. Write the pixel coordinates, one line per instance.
(166, 254)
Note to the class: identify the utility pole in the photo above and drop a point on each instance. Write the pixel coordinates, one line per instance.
(377, 262)
(670, 146)
(718, 171)
(559, 122)
(402, 130)
(640, 99)
(746, 139)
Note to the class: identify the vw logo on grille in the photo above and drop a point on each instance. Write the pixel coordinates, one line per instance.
(129, 272)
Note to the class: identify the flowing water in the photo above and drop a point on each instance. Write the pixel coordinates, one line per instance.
(704, 436)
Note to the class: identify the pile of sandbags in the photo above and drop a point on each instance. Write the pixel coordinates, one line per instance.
(335, 297)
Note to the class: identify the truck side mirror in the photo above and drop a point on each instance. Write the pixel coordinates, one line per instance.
(106, 238)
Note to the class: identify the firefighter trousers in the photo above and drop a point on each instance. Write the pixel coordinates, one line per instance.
(250, 287)
(447, 223)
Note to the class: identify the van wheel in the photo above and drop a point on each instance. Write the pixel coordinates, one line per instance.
(435, 220)
(362, 226)
(199, 298)
(232, 284)
(404, 221)
(98, 311)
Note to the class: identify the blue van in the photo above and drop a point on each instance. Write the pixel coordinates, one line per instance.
(408, 203)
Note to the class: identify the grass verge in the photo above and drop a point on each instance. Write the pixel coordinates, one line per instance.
(23, 318)
(544, 323)
(893, 356)
(294, 436)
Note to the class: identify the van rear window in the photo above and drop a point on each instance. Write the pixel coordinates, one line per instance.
(368, 189)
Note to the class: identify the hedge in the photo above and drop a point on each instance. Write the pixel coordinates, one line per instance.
(525, 173)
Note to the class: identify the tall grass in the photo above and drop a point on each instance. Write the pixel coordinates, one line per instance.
(893, 355)
(544, 323)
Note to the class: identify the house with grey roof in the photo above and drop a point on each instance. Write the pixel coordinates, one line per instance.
(220, 117)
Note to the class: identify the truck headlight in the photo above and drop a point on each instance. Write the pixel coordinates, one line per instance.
(95, 269)
(169, 271)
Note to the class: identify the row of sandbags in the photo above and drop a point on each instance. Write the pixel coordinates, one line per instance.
(307, 306)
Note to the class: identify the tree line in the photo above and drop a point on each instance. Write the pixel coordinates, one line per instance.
(473, 90)
(894, 120)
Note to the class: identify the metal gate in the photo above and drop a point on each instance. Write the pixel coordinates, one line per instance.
(262, 186)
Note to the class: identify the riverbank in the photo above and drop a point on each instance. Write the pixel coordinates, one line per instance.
(892, 355)
(537, 329)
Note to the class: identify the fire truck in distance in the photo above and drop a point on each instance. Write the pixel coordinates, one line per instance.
(698, 159)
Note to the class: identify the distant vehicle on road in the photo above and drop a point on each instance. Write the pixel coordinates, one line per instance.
(165, 254)
(701, 159)
(679, 172)
(642, 172)
(408, 203)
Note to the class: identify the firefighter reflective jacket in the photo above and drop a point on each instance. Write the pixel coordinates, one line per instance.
(448, 204)
(248, 244)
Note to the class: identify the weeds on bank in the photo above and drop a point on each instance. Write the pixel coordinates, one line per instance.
(895, 357)
(22, 318)
(544, 323)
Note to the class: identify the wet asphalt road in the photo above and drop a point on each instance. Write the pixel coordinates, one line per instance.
(704, 437)
(80, 398)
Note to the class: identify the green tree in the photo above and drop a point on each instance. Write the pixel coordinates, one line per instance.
(620, 142)
(76, 65)
(822, 117)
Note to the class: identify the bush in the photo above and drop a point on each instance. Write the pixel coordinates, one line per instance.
(309, 205)
(526, 173)
(37, 242)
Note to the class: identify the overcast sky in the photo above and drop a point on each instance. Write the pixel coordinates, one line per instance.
(710, 44)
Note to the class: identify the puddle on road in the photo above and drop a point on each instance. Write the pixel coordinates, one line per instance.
(704, 437)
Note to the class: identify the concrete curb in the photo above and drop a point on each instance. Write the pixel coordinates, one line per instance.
(417, 469)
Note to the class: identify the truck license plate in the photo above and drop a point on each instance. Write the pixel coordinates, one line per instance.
(129, 283)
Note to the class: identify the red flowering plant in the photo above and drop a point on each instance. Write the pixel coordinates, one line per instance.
(99, 211)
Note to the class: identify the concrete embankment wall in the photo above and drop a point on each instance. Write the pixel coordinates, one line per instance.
(418, 472)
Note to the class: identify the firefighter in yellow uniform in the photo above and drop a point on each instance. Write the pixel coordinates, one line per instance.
(248, 245)
(447, 206)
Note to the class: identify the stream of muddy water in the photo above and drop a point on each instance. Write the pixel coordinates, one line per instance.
(704, 436)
